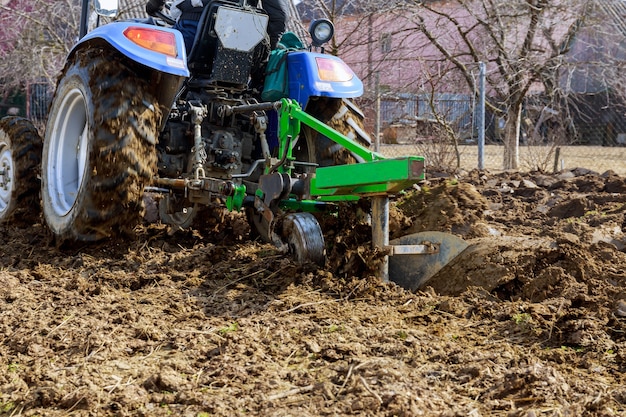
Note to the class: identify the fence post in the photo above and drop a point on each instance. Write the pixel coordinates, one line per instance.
(557, 156)
(377, 127)
(481, 115)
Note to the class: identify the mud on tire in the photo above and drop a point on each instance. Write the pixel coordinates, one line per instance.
(20, 168)
(343, 116)
(99, 150)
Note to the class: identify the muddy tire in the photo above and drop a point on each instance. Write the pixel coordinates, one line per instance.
(99, 148)
(343, 116)
(20, 167)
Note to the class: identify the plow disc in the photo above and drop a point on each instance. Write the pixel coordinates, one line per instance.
(417, 257)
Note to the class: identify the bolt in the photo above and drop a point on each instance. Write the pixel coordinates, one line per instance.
(5, 177)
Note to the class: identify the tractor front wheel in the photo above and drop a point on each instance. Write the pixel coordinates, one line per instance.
(20, 167)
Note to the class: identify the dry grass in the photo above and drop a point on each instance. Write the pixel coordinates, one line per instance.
(596, 158)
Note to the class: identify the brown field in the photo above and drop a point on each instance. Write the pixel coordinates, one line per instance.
(530, 320)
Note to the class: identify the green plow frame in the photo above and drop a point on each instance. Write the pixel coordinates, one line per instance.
(378, 175)
(416, 258)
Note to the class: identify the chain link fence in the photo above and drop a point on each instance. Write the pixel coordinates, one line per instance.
(442, 128)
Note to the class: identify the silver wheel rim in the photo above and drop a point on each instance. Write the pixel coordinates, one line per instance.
(7, 177)
(67, 153)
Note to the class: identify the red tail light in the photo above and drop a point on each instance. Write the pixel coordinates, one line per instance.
(153, 39)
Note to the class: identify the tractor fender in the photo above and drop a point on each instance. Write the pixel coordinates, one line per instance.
(313, 74)
(166, 74)
(116, 34)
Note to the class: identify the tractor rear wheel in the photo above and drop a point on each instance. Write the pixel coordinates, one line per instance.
(343, 116)
(99, 148)
(20, 167)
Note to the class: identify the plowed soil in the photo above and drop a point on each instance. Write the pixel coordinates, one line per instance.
(530, 320)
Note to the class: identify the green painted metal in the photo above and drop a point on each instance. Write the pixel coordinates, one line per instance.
(235, 201)
(288, 128)
(378, 175)
(387, 176)
(291, 115)
(309, 206)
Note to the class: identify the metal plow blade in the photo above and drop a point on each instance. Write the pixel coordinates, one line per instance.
(418, 257)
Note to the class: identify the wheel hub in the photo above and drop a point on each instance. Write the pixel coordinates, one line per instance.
(6, 185)
(5, 176)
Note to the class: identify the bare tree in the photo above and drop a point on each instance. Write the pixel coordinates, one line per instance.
(295, 22)
(523, 42)
(37, 35)
(526, 44)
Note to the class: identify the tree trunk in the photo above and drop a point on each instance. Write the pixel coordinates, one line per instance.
(511, 137)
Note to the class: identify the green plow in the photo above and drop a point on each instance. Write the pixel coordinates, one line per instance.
(413, 259)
